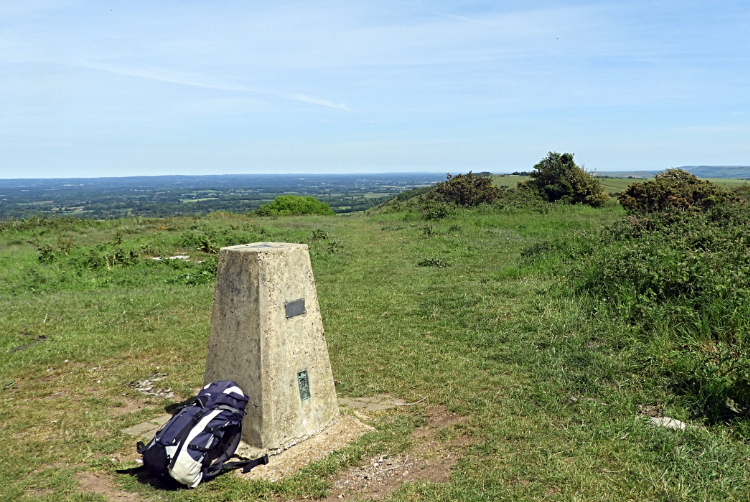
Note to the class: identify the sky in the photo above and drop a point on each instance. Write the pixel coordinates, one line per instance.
(107, 88)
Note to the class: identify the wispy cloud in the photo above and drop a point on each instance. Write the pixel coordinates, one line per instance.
(193, 82)
(313, 100)
(464, 18)
(714, 129)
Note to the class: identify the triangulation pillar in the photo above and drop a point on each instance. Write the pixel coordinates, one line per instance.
(267, 335)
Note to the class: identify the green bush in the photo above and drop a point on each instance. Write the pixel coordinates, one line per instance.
(466, 190)
(293, 205)
(671, 190)
(557, 178)
(435, 210)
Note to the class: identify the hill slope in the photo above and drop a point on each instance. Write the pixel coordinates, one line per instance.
(742, 172)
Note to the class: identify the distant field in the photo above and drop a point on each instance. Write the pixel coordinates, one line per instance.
(198, 200)
(612, 185)
(507, 180)
(616, 185)
(728, 182)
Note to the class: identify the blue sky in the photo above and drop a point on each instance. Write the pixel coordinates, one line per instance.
(204, 87)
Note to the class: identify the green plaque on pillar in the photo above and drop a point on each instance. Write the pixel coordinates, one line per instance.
(304, 385)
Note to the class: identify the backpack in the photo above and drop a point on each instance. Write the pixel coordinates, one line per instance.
(195, 443)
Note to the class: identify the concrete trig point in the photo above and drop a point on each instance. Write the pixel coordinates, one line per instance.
(267, 335)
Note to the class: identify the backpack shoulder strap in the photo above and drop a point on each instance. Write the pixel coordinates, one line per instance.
(220, 464)
(184, 433)
(247, 464)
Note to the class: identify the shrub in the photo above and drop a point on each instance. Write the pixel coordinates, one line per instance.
(673, 190)
(465, 190)
(435, 210)
(293, 205)
(557, 178)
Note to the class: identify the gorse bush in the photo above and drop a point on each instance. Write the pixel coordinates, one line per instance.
(671, 190)
(466, 190)
(293, 205)
(462, 190)
(557, 178)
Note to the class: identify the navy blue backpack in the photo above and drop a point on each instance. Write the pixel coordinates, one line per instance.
(198, 440)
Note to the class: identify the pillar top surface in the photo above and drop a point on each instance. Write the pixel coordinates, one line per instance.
(264, 247)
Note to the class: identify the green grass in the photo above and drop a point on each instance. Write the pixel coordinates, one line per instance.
(493, 335)
(727, 182)
(508, 180)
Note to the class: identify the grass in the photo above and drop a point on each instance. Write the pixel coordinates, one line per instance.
(507, 180)
(493, 335)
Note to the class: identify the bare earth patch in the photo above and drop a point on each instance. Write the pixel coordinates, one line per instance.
(101, 484)
(429, 460)
(128, 406)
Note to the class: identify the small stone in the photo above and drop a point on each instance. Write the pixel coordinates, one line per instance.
(572, 399)
(668, 422)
